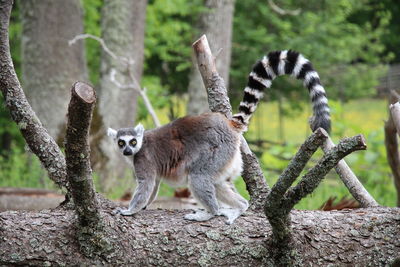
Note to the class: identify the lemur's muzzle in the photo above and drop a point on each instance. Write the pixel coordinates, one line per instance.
(127, 151)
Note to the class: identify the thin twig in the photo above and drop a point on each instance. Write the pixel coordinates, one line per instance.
(142, 92)
(281, 11)
(103, 45)
(133, 84)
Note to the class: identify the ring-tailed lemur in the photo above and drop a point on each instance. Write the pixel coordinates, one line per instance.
(204, 151)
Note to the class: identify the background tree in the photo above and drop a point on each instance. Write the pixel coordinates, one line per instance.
(49, 65)
(122, 24)
(216, 22)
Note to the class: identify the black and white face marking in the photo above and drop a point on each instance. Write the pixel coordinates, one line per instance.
(129, 140)
(127, 144)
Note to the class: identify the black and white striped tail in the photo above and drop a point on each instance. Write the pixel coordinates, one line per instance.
(280, 63)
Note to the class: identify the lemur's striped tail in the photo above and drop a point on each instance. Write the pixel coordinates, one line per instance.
(279, 63)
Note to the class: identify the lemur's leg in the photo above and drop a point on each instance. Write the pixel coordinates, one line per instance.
(146, 184)
(155, 192)
(227, 194)
(203, 190)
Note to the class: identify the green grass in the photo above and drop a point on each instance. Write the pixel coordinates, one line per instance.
(363, 116)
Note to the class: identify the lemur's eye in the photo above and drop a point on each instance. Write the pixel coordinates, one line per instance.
(121, 143)
(133, 142)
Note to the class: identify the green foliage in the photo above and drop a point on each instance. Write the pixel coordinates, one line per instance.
(157, 94)
(169, 34)
(323, 32)
(20, 169)
(8, 130)
(92, 15)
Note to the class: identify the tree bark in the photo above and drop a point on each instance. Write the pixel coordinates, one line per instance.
(362, 237)
(393, 154)
(90, 226)
(77, 153)
(216, 23)
(49, 65)
(282, 198)
(395, 112)
(122, 24)
(36, 136)
(392, 146)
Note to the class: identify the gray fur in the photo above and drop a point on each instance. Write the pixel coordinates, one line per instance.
(200, 151)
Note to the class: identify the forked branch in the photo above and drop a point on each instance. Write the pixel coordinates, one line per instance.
(282, 197)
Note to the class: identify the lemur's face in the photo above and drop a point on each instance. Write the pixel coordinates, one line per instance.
(129, 140)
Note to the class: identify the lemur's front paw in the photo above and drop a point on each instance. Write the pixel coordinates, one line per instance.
(122, 211)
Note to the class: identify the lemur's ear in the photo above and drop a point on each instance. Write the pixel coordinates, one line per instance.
(139, 129)
(112, 133)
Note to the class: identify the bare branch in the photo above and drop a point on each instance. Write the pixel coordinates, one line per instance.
(281, 11)
(135, 86)
(217, 94)
(393, 154)
(392, 145)
(311, 180)
(35, 135)
(395, 112)
(103, 45)
(350, 180)
(219, 102)
(253, 176)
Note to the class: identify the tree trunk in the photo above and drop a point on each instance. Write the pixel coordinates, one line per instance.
(49, 65)
(216, 23)
(123, 24)
(362, 237)
(31, 128)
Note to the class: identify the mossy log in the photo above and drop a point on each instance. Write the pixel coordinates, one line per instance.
(362, 237)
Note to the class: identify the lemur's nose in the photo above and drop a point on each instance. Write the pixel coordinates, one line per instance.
(127, 152)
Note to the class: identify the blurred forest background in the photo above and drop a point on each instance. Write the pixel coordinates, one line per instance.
(351, 43)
